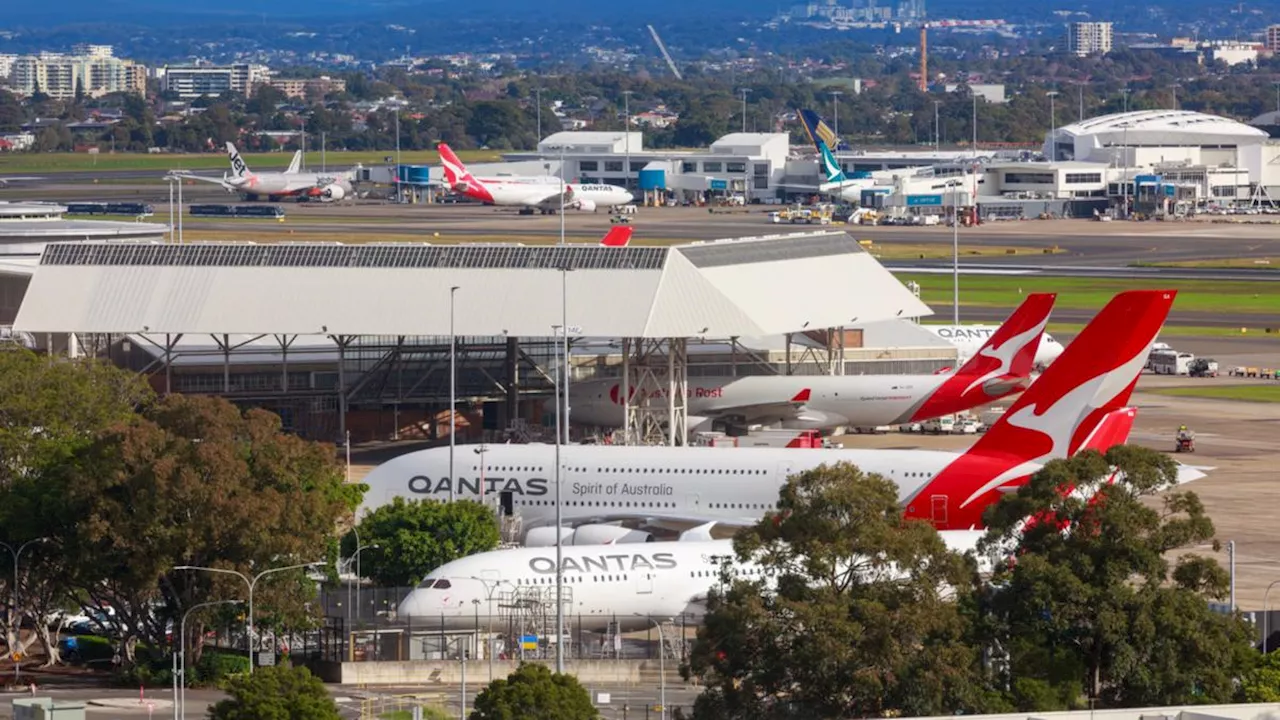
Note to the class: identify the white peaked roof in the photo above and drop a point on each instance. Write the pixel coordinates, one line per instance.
(1164, 127)
(722, 288)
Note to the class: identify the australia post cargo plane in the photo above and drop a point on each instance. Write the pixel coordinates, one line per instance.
(1001, 367)
(627, 584)
(325, 187)
(1078, 402)
(526, 194)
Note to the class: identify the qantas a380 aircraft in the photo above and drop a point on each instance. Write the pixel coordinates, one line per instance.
(970, 339)
(627, 584)
(1000, 368)
(1080, 401)
(526, 194)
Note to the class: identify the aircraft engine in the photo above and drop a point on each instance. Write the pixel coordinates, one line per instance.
(608, 534)
(332, 193)
(585, 535)
(814, 420)
(586, 205)
(546, 537)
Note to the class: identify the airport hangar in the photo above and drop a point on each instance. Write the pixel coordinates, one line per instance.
(388, 311)
(27, 227)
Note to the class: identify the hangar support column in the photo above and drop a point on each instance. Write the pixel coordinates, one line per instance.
(654, 391)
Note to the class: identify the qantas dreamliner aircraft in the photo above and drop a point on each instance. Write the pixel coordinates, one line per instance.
(1000, 368)
(529, 196)
(1075, 404)
(627, 584)
(325, 187)
(969, 339)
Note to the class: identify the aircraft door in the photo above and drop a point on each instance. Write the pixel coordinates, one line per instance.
(784, 471)
(644, 583)
(507, 503)
(694, 501)
(938, 510)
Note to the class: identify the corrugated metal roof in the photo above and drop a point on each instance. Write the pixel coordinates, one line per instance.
(748, 286)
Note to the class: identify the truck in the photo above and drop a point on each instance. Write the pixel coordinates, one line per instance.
(1171, 362)
(1203, 367)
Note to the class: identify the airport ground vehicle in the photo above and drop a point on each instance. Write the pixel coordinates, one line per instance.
(1203, 367)
(114, 208)
(1170, 362)
(237, 211)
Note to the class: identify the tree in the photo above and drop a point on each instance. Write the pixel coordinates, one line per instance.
(1262, 684)
(282, 692)
(417, 536)
(853, 615)
(194, 481)
(50, 411)
(1092, 607)
(533, 692)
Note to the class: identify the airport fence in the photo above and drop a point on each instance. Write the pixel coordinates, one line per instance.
(368, 629)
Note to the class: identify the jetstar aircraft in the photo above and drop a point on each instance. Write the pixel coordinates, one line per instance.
(1073, 405)
(527, 194)
(325, 187)
(1001, 367)
(627, 584)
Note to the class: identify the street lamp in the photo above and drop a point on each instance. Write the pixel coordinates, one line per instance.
(955, 251)
(481, 450)
(453, 391)
(937, 129)
(538, 94)
(355, 557)
(1125, 92)
(17, 556)
(662, 672)
(181, 701)
(251, 584)
(1266, 617)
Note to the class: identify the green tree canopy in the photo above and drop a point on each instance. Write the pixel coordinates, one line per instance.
(1262, 684)
(533, 692)
(276, 693)
(417, 536)
(1092, 607)
(854, 615)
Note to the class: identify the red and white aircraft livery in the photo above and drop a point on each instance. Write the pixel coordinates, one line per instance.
(526, 194)
(1000, 368)
(325, 187)
(1080, 401)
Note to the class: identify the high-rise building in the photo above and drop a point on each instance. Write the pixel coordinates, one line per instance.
(1089, 38)
(193, 81)
(96, 72)
(1273, 38)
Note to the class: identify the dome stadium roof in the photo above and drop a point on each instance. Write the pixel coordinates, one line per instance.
(1164, 127)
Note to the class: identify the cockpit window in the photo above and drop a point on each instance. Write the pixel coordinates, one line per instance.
(425, 584)
(442, 585)
(1049, 339)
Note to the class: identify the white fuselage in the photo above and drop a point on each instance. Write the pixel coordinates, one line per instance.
(680, 486)
(633, 585)
(968, 339)
(523, 192)
(832, 400)
(288, 184)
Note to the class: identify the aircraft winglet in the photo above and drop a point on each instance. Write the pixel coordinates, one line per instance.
(802, 396)
(618, 236)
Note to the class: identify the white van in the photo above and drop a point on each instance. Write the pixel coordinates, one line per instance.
(938, 426)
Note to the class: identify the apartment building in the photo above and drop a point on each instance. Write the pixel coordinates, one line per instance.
(1089, 38)
(192, 81)
(93, 69)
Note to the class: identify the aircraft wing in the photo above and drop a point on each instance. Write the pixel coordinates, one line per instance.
(201, 178)
(547, 197)
(769, 410)
(674, 522)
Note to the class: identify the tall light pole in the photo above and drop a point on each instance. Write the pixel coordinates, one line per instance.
(662, 672)
(937, 128)
(17, 556)
(1277, 99)
(559, 531)
(1125, 92)
(974, 96)
(538, 94)
(562, 197)
(1080, 110)
(744, 92)
(955, 251)
(1266, 617)
(1053, 127)
(453, 392)
(626, 128)
(1174, 88)
(835, 108)
(180, 703)
(251, 584)
(1124, 179)
(397, 153)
